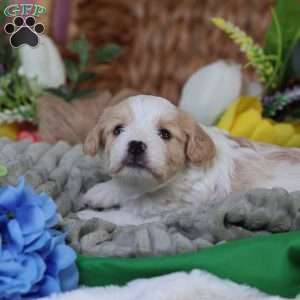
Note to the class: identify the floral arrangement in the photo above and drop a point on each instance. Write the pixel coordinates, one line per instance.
(28, 73)
(267, 110)
(34, 259)
(244, 118)
(77, 70)
(254, 53)
(22, 81)
(18, 94)
(277, 64)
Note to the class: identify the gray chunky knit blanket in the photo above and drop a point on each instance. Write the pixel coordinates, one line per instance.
(66, 174)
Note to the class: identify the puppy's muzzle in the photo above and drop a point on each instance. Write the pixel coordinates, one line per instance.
(136, 154)
(136, 148)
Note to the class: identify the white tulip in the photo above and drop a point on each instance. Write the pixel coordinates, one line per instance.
(252, 88)
(209, 91)
(43, 62)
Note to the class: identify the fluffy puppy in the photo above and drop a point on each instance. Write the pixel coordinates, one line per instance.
(160, 159)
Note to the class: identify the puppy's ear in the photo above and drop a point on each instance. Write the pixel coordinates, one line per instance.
(92, 142)
(94, 139)
(199, 148)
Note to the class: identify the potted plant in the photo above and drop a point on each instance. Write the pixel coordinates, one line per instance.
(275, 116)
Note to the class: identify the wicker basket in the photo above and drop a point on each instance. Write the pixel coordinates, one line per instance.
(164, 41)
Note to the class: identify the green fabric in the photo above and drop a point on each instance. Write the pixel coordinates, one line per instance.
(269, 263)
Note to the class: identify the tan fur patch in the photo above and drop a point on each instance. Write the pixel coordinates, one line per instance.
(101, 135)
(189, 143)
(269, 151)
(285, 154)
(175, 154)
(242, 142)
(251, 168)
(249, 171)
(200, 148)
(258, 166)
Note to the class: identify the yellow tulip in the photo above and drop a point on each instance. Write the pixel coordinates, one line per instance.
(9, 131)
(294, 141)
(244, 119)
(245, 123)
(284, 132)
(264, 132)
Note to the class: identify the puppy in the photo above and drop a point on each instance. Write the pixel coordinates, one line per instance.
(161, 160)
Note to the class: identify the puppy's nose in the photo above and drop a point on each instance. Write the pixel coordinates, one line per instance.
(136, 148)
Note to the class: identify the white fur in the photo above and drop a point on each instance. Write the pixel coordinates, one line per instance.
(235, 167)
(142, 198)
(146, 111)
(196, 285)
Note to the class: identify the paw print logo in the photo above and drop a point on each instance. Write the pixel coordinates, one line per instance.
(24, 32)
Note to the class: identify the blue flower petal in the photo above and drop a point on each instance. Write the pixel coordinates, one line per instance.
(50, 223)
(57, 238)
(6, 254)
(15, 236)
(63, 256)
(10, 197)
(69, 278)
(49, 286)
(21, 275)
(8, 287)
(49, 208)
(10, 268)
(3, 218)
(3, 280)
(30, 218)
(30, 196)
(29, 238)
(33, 268)
(34, 260)
(39, 243)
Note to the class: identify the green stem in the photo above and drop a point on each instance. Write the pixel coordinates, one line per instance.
(279, 51)
(288, 56)
(260, 60)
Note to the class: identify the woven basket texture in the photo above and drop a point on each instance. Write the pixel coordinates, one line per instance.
(163, 41)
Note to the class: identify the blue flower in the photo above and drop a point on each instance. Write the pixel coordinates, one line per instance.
(34, 259)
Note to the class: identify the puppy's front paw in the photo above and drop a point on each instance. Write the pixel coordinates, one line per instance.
(103, 195)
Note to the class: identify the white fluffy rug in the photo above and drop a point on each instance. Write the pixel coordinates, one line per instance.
(196, 285)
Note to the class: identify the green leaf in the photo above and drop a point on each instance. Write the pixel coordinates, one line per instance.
(106, 53)
(81, 47)
(287, 24)
(83, 93)
(86, 76)
(296, 60)
(63, 92)
(72, 70)
(6, 102)
(3, 5)
(288, 13)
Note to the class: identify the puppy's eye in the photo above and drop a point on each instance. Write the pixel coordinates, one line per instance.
(165, 134)
(118, 129)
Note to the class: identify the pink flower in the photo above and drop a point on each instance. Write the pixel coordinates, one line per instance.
(27, 135)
